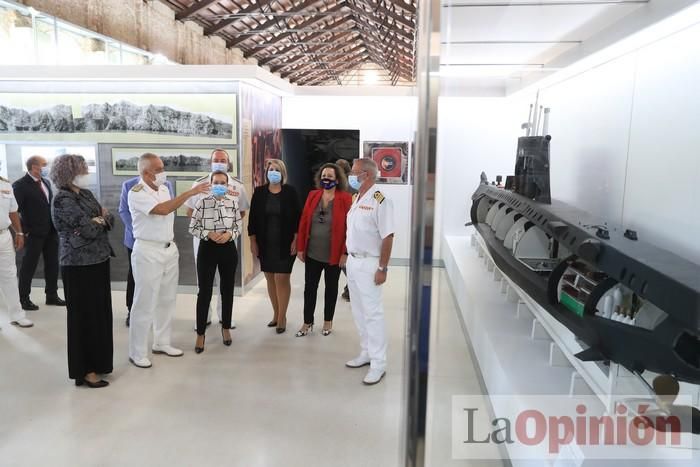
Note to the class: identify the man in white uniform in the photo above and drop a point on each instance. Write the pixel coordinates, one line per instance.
(8, 270)
(220, 162)
(154, 260)
(370, 237)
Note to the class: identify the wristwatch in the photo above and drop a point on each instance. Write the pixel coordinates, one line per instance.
(383, 269)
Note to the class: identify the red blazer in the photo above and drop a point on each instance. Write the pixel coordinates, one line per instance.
(341, 206)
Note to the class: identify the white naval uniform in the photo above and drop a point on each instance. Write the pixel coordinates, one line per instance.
(370, 220)
(8, 270)
(241, 198)
(154, 261)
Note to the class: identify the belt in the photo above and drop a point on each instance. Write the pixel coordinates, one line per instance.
(362, 255)
(158, 244)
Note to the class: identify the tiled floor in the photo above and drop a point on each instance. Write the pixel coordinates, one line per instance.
(268, 400)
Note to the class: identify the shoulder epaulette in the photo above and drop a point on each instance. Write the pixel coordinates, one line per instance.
(354, 197)
(136, 188)
(379, 197)
(4, 180)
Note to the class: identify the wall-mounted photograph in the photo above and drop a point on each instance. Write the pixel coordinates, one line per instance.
(3, 162)
(391, 158)
(182, 186)
(50, 152)
(178, 162)
(201, 115)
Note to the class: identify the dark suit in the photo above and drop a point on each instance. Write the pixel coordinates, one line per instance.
(41, 237)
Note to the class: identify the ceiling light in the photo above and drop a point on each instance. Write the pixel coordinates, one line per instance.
(370, 77)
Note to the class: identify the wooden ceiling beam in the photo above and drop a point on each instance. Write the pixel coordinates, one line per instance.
(306, 65)
(329, 48)
(284, 35)
(307, 38)
(224, 23)
(410, 24)
(374, 22)
(191, 10)
(357, 58)
(320, 79)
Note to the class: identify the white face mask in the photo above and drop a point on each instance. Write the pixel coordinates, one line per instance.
(82, 181)
(160, 179)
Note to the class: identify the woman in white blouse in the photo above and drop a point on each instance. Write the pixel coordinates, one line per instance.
(215, 221)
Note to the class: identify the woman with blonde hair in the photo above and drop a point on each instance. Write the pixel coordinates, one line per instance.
(272, 227)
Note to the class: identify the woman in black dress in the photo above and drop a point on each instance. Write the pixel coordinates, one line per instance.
(272, 227)
(84, 253)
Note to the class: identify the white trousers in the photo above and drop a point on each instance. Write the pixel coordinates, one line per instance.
(216, 295)
(156, 274)
(367, 309)
(8, 277)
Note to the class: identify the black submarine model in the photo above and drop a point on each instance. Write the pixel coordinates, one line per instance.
(628, 301)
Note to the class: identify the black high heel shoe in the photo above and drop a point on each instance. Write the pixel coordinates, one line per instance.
(227, 342)
(272, 324)
(200, 349)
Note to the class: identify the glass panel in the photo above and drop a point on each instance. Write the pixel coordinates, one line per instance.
(46, 41)
(71, 47)
(16, 38)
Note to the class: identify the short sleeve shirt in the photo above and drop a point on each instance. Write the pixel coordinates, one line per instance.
(8, 203)
(150, 227)
(370, 220)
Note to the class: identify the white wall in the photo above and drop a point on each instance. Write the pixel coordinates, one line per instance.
(379, 118)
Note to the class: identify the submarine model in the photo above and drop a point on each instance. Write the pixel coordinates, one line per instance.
(629, 302)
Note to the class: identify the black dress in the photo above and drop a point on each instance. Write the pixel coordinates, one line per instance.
(84, 256)
(271, 259)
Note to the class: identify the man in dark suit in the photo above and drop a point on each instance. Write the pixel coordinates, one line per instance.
(34, 195)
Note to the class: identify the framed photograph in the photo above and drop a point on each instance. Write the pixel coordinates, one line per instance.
(179, 162)
(3, 162)
(182, 186)
(52, 152)
(391, 158)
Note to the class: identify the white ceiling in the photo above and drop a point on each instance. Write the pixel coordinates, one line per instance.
(505, 42)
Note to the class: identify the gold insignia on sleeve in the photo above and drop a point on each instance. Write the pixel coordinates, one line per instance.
(136, 188)
(354, 197)
(379, 197)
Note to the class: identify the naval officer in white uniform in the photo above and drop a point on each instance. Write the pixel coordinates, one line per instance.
(154, 260)
(370, 237)
(8, 270)
(220, 162)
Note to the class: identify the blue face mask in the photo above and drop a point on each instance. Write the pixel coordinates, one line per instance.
(45, 171)
(274, 176)
(219, 167)
(219, 190)
(354, 182)
(328, 184)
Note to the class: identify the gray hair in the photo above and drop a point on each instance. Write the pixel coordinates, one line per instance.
(65, 168)
(145, 161)
(369, 166)
(32, 161)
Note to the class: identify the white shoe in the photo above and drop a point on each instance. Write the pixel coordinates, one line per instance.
(168, 350)
(23, 323)
(357, 362)
(373, 376)
(141, 362)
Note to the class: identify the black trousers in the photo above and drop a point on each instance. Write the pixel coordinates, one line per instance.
(129, 283)
(33, 248)
(210, 257)
(331, 275)
(89, 319)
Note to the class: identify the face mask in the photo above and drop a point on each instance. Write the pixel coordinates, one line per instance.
(82, 181)
(45, 171)
(219, 166)
(219, 190)
(160, 179)
(354, 182)
(274, 176)
(328, 184)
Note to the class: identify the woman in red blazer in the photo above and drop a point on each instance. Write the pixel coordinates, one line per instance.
(321, 242)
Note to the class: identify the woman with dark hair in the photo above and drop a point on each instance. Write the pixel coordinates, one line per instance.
(84, 254)
(321, 242)
(272, 227)
(215, 223)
